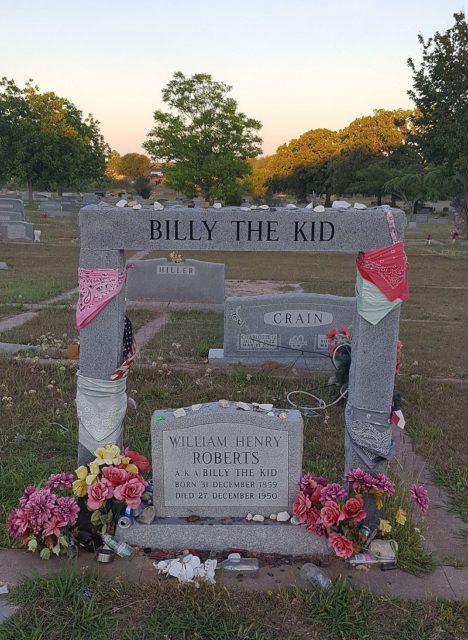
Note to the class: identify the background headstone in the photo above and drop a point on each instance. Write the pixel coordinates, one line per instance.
(16, 230)
(13, 207)
(188, 281)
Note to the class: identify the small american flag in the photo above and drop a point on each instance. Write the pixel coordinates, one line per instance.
(129, 351)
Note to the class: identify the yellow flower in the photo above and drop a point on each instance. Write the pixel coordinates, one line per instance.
(80, 488)
(110, 454)
(125, 460)
(385, 527)
(132, 468)
(401, 516)
(378, 497)
(81, 472)
(94, 473)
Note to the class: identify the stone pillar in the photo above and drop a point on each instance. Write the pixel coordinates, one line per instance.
(101, 343)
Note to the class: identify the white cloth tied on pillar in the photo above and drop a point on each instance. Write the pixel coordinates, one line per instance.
(101, 407)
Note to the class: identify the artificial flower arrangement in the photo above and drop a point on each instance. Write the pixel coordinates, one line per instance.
(330, 510)
(44, 518)
(111, 482)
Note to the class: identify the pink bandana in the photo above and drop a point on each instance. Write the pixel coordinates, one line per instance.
(97, 287)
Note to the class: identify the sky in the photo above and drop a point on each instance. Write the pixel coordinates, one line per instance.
(294, 65)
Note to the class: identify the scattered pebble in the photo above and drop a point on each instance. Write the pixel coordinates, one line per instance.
(244, 406)
(249, 517)
(273, 516)
(310, 205)
(217, 205)
(234, 557)
(294, 521)
(121, 204)
(264, 206)
(179, 413)
(196, 407)
(319, 208)
(147, 515)
(224, 404)
(341, 204)
(136, 206)
(258, 518)
(283, 415)
(359, 205)
(158, 206)
(283, 516)
(291, 206)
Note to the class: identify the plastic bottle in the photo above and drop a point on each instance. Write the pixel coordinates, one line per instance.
(121, 548)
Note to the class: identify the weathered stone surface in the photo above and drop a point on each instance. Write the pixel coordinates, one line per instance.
(189, 281)
(16, 230)
(12, 205)
(10, 216)
(278, 327)
(220, 462)
(231, 229)
(266, 537)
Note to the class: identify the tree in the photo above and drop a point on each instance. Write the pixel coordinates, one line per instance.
(113, 166)
(440, 92)
(204, 139)
(44, 139)
(142, 186)
(133, 165)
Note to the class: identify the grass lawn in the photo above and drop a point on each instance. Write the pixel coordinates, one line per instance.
(53, 607)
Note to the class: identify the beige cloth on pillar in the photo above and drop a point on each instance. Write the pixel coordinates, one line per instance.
(101, 407)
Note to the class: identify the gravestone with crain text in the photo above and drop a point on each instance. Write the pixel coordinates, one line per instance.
(284, 328)
(188, 281)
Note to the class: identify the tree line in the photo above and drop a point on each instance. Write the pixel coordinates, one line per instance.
(208, 147)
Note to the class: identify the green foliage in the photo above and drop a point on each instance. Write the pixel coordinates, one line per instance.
(204, 139)
(45, 141)
(142, 186)
(133, 165)
(440, 92)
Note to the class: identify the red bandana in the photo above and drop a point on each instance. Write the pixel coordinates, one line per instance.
(387, 268)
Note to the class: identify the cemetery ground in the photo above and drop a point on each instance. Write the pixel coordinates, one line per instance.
(38, 435)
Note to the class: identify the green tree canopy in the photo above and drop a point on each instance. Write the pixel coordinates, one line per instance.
(45, 141)
(204, 139)
(440, 92)
(132, 165)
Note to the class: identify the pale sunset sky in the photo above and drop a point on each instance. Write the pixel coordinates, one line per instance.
(295, 65)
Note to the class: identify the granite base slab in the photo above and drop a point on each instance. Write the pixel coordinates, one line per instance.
(307, 361)
(212, 534)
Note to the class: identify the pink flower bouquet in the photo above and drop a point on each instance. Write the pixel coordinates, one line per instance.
(43, 518)
(110, 483)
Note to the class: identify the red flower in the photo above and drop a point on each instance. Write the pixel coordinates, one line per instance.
(352, 510)
(330, 513)
(140, 460)
(131, 491)
(115, 475)
(98, 493)
(301, 507)
(312, 518)
(331, 334)
(343, 547)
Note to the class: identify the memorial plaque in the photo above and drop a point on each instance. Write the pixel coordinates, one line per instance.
(222, 462)
(283, 327)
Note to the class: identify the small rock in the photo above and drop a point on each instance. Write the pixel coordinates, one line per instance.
(294, 521)
(147, 497)
(131, 203)
(196, 407)
(291, 206)
(244, 406)
(179, 413)
(265, 407)
(359, 205)
(217, 205)
(121, 204)
(234, 557)
(271, 414)
(319, 208)
(193, 518)
(249, 517)
(158, 206)
(315, 576)
(273, 516)
(136, 206)
(147, 515)
(283, 415)
(310, 205)
(264, 206)
(224, 404)
(340, 204)
(283, 516)
(3, 265)
(258, 518)
(245, 208)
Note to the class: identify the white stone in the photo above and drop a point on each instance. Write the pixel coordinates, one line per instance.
(265, 407)
(291, 206)
(253, 207)
(244, 406)
(294, 520)
(310, 205)
(273, 516)
(283, 516)
(234, 557)
(224, 404)
(217, 205)
(283, 415)
(271, 414)
(179, 413)
(340, 204)
(258, 518)
(37, 235)
(136, 206)
(196, 407)
(121, 204)
(359, 205)
(3, 265)
(158, 206)
(245, 208)
(249, 517)
(319, 208)
(264, 206)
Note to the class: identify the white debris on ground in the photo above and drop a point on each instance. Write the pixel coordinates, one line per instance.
(188, 569)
